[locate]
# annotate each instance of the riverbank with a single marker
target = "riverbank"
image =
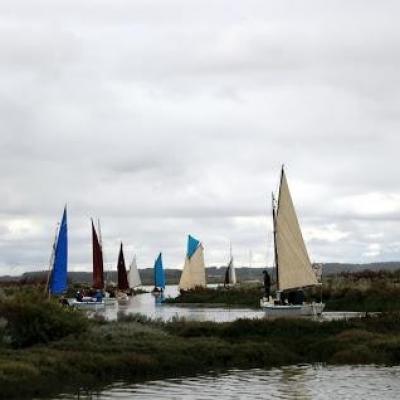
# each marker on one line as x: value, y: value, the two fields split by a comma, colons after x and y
x: 365, y: 291
x: 43, y: 343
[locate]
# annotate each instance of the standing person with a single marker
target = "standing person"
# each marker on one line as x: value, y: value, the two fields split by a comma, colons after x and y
x: 267, y: 284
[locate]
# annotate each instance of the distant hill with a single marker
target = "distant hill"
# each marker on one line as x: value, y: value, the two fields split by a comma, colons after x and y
x: 214, y: 274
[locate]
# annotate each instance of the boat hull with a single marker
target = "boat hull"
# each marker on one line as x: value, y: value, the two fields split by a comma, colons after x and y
x: 92, y: 305
x: 291, y: 310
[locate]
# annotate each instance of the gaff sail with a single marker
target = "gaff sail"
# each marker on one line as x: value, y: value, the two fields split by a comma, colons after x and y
x: 194, y: 272
x: 58, y: 280
x: 159, y: 274
x: 98, y: 267
x: 122, y: 276
x: 292, y: 260
x: 133, y: 275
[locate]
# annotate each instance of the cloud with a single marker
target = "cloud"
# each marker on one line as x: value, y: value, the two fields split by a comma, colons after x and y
x: 165, y: 119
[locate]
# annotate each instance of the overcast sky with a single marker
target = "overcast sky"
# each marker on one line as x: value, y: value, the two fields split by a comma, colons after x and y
x: 164, y: 118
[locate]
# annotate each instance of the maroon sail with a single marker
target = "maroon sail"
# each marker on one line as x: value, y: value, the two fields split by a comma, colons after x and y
x: 122, y: 276
x: 98, y: 273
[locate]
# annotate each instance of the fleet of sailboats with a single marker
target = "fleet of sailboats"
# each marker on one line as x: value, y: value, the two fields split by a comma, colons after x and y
x: 292, y: 263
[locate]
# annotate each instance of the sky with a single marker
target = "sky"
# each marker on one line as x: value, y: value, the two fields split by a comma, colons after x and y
x: 165, y: 117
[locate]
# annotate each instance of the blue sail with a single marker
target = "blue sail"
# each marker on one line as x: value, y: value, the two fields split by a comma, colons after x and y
x: 58, y: 280
x: 159, y: 274
x: 192, y: 246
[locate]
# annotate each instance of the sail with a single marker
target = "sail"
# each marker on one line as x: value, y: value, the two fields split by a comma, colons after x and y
x: 293, y: 263
x: 122, y: 276
x: 58, y: 280
x: 98, y: 273
x: 232, y: 272
x: 133, y: 275
x: 159, y: 274
x: 194, y: 272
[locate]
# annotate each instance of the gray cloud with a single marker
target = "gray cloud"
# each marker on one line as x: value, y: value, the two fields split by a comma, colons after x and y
x: 169, y: 118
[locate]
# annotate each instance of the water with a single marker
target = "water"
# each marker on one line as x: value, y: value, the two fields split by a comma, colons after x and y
x: 150, y: 306
x: 295, y: 382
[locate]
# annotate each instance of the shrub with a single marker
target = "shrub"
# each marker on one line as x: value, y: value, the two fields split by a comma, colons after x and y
x: 32, y: 319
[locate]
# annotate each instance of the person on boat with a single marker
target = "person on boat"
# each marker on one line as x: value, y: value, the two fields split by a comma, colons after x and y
x: 267, y: 284
x: 79, y: 296
x: 98, y: 296
x: 64, y: 301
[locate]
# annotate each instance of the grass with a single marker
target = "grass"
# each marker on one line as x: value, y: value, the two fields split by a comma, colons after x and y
x: 245, y: 295
x: 135, y: 348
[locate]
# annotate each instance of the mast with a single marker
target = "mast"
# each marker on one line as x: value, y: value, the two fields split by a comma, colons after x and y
x: 275, y: 246
x: 51, y: 261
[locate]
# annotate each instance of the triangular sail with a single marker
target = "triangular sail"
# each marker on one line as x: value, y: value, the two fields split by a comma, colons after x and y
x: 232, y: 272
x: 122, y: 276
x: 58, y: 281
x: 194, y: 272
x: 293, y: 263
x: 98, y: 268
x: 159, y: 274
x: 133, y: 275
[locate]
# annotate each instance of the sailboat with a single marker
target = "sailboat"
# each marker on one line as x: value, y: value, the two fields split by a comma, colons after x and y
x: 230, y: 273
x: 292, y: 263
x: 159, y: 275
x: 123, y: 284
x: 58, y: 279
x: 194, y: 271
x: 133, y: 275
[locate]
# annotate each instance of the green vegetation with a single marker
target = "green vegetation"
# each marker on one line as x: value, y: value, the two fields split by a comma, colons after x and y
x: 366, y: 291
x: 43, y: 342
x: 245, y: 295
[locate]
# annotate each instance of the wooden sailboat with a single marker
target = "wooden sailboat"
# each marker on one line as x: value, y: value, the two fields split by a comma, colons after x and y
x: 57, y: 282
x: 194, y: 272
x: 293, y: 266
x: 98, y: 266
x: 123, y: 284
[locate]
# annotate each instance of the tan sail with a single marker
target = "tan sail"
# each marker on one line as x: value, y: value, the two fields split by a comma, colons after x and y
x: 294, y: 266
x: 194, y: 272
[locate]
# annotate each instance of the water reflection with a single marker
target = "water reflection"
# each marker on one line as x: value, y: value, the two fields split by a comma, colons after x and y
x: 152, y: 307
x: 295, y: 382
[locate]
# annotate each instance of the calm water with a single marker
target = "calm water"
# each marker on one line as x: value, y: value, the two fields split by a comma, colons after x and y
x: 297, y: 382
x: 150, y: 306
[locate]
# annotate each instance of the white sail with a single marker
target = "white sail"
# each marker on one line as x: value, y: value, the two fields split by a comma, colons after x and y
x: 194, y: 272
x: 232, y: 272
x: 133, y: 275
x: 294, y: 266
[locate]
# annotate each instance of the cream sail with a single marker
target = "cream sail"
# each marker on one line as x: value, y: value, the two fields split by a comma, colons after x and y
x: 133, y: 275
x: 194, y: 272
x: 293, y: 264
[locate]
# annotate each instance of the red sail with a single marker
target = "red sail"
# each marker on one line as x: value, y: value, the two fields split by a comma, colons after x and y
x: 98, y: 273
x: 122, y: 276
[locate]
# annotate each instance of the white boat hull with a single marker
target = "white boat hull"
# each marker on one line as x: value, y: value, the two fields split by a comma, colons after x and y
x: 291, y: 310
x: 92, y: 305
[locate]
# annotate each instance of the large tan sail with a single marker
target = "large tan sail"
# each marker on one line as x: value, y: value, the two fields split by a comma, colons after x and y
x: 294, y: 266
x: 194, y: 272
